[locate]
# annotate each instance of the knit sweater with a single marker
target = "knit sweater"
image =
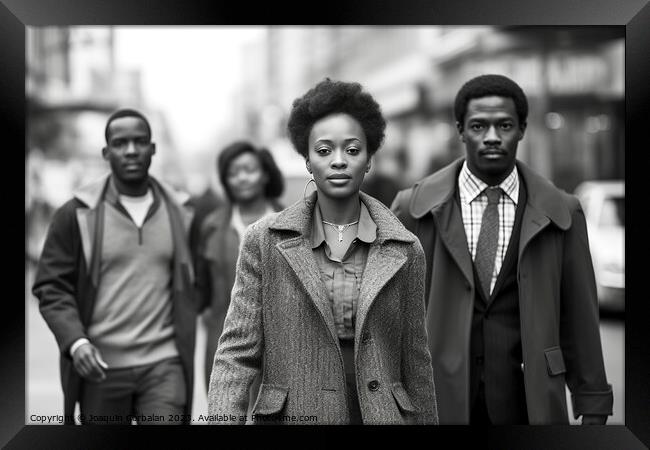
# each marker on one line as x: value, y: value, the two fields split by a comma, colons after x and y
x: 132, y: 320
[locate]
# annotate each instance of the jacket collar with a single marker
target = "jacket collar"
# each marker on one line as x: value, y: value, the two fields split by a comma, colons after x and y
x: 298, y: 216
x: 384, y: 260
x: 366, y: 230
x: 91, y: 193
x: 439, y: 188
x: 220, y: 217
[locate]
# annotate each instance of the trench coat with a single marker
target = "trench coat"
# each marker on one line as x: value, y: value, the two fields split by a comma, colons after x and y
x: 280, y: 323
x: 558, y: 307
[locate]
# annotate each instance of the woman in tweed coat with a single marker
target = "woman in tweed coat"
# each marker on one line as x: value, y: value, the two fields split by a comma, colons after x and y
x: 328, y: 300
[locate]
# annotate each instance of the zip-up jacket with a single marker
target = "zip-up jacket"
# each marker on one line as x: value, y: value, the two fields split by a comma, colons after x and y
x: 68, y: 276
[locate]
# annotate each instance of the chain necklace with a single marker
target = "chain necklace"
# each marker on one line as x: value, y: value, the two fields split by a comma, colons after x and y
x: 340, y: 228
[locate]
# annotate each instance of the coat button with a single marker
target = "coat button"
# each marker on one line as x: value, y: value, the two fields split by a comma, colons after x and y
x: 373, y: 385
x: 365, y: 337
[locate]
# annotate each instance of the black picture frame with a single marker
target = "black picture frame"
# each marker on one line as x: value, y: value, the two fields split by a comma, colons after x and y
x: 633, y: 15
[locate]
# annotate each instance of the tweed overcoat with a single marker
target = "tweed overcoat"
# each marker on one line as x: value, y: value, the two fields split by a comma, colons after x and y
x: 558, y: 307
x: 280, y: 322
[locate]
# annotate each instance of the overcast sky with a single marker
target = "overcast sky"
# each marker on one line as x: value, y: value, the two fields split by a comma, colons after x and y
x: 187, y: 72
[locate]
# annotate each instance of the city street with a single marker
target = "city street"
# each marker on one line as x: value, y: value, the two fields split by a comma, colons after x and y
x: 44, y: 389
x: 612, y: 336
x: 43, y: 382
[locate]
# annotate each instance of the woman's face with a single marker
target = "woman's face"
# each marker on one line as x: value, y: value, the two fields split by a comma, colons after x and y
x: 338, y: 155
x: 246, y: 179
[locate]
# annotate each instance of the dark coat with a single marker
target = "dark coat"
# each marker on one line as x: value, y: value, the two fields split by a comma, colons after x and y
x: 280, y: 322
x: 68, y: 275
x: 557, y: 298
x: 217, y: 254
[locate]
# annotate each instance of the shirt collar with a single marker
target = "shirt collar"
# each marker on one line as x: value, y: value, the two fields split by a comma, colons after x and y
x: 366, y: 231
x: 470, y: 186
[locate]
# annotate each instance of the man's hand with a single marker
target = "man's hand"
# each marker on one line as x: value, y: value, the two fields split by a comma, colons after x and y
x: 88, y: 363
x: 593, y: 419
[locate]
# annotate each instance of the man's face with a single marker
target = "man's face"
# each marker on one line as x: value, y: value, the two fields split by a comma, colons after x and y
x: 491, y: 132
x: 129, y: 150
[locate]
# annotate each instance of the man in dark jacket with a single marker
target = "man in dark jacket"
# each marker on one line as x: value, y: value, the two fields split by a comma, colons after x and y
x: 114, y: 284
x: 512, y: 312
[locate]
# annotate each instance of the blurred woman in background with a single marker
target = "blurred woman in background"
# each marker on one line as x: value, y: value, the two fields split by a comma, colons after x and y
x: 328, y: 301
x: 252, y: 183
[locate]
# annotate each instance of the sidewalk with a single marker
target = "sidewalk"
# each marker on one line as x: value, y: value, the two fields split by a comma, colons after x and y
x: 44, y: 395
x: 43, y: 382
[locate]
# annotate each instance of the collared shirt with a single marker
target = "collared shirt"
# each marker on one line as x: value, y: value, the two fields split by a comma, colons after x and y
x: 342, y: 278
x: 473, y: 202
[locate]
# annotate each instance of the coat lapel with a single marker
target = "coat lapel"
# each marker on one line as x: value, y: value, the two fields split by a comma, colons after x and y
x: 384, y: 257
x: 383, y: 262
x: 297, y: 252
x: 435, y: 195
x: 449, y: 224
x: 91, y: 224
x: 181, y: 201
x: 86, y: 221
x: 532, y: 223
x: 545, y: 205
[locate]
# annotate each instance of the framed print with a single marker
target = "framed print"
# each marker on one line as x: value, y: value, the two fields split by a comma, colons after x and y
x: 603, y: 94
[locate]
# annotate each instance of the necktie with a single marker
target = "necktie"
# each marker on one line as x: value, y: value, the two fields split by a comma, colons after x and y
x: 486, y: 247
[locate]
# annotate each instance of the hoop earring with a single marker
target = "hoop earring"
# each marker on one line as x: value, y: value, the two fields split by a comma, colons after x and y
x: 304, y: 191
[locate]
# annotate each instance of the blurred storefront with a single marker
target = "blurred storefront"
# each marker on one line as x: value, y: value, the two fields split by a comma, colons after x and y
x: 573, y: 77
x: 574, y: 80
x: 72, y: 85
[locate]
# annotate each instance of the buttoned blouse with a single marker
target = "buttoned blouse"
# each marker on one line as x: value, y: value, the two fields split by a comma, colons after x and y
x: 342, y: 278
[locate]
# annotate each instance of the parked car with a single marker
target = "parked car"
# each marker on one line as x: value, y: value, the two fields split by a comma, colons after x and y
x: 604, y: 205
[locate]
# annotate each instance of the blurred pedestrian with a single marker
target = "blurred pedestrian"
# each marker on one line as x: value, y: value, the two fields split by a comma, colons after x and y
x: 115, y: 286
x: 252, y: 182
x: 328, y: 301
x: 202, y: 205
x: 381, y: 183
x: 512, y: 307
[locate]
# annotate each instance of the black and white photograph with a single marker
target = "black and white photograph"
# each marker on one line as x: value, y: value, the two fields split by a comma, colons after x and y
x: 313, y: 225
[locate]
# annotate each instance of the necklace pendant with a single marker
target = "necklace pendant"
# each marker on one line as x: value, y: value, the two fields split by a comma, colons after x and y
x: 341, y: 228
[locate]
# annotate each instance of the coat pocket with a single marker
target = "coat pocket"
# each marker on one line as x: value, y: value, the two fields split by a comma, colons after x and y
x: 270, y: 400
x: 554, y: 361
x: 402, y: 398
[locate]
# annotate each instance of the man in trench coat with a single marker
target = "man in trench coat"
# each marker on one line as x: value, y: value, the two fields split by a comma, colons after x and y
x: 506, y: 339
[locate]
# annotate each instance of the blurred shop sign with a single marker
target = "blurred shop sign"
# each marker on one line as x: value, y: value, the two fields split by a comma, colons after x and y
x: 577, y: 74
x: 526, y: 70
x: 558, y: 73
x: 395, y: 85
x: 401, y: 98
